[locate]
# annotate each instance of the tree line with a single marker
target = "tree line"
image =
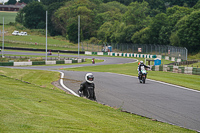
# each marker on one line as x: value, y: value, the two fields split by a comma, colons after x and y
x: 13, y: 2
x: 163, y: 22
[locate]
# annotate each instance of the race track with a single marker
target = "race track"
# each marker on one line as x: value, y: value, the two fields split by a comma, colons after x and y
x: 164, y: 102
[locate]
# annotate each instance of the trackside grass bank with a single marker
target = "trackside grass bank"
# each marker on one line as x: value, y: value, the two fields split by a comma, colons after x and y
x: 37, y: 107
x: 8, y: 17
x: 189, y: 81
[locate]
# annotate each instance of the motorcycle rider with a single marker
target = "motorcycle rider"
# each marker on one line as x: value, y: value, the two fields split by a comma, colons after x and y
x: 139, y: 69
x: 87, y: 87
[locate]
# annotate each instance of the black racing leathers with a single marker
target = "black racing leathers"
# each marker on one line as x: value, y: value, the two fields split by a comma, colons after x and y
x: 139, y: 67
x: 87, y: 90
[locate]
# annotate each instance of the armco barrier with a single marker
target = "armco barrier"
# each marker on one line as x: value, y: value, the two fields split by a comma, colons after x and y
x: 94, y: 53
x: 22, y: 63
x: 135, y: 55
x: 74, y: 61
x: 79, y: 60
x: 196, y: 71
x: 170, y: 68
x: 60, y: 62
x: 88, y: 53
x: 50, y: 62
x: 99, y: 53
x: 68, y: 61
x: 188, y: 70
x: 6, y: 63
x: 40, y: 62
x: 181, y: 69
x: 105, y: 53
x: 177, y: 69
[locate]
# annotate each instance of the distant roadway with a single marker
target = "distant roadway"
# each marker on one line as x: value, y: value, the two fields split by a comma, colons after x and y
x: 163, y: 102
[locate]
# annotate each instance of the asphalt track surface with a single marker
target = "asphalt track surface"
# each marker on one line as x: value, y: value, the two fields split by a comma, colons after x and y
x: 163, y: 102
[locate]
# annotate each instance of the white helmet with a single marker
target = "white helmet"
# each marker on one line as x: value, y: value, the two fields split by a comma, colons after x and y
x: 141, y: 62
x: 89, y: 77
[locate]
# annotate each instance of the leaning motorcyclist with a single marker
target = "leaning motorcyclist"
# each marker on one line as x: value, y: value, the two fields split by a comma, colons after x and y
x: 139, y: 68
x: 87, y: 87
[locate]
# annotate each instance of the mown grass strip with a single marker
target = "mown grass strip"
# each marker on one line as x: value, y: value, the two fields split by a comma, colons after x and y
x: 35, y: 108
x: 8, y: 17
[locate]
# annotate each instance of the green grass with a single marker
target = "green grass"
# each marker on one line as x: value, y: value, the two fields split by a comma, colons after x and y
x: 193, y: 65
x: 194, y: 57
x: 39, y: 46
x: 189, y: 81
x: 39, y: 39
x: 37, y: 107
x: 8, y: 17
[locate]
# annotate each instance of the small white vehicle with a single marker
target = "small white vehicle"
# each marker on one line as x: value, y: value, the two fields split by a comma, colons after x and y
x: 15, y: 33
x: 23, y: 33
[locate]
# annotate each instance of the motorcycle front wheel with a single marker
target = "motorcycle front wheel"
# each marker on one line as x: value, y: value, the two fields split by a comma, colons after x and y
x: 143, y: 80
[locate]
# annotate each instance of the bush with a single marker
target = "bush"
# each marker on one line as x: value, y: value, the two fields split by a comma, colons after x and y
x: 93, y: 40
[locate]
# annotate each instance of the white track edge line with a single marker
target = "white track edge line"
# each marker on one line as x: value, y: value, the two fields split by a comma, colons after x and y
x: 62, y: 84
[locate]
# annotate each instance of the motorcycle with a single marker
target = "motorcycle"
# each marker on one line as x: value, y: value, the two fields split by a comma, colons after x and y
x: 93, y: 61
x: 143, y: 75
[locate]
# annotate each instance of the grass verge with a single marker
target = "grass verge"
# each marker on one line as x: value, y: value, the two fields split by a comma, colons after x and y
x: 37, y: 107
x: 8, y: 17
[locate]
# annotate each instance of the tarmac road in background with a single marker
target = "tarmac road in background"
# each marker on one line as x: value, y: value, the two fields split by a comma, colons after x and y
x: 107, y: 60
x: 163, y: 102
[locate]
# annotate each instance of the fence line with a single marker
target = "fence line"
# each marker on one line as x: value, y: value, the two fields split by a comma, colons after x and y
x: 165, y: 50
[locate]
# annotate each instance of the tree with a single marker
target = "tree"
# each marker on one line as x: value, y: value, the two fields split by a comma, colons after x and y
x: 20, y: 17
x: 72, y: 32
x: 129, y: 30
x: 35, y: 15
x: 189, y: 3
x: 137, y: 14
x: 156, y: 6
x: 197, y: 5
x: 188, y: 31
x: 174, y: 39
x: 117, y: 32
x: 164, y: 35
x: 105, y: 32
x: 27, y: 1
x: 141, y: 37
x: 111, y: 11
x: 52, y: 27
x: 49, y: 2
x: 12, y: 2
x: 65, y: 16
x: 112, y: 6
x: 157, y: 23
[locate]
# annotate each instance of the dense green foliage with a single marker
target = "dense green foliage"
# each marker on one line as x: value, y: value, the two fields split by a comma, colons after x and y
x: 11, y: 2
x: 164, y: 22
